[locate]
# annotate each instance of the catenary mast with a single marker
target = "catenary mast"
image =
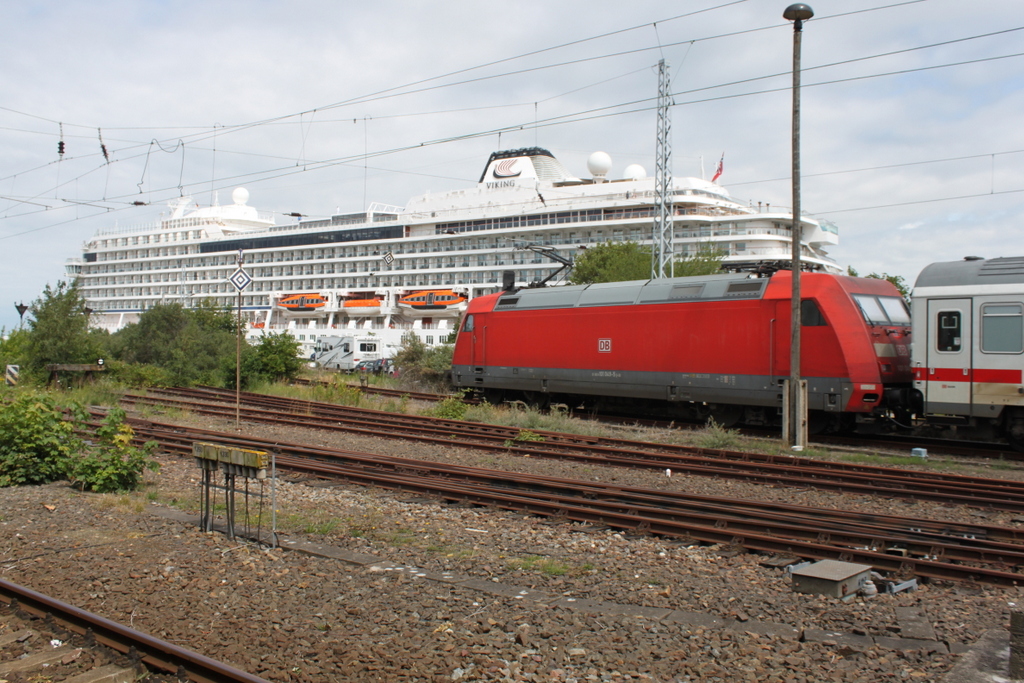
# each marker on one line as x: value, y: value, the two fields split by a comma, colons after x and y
x: 661, y: 244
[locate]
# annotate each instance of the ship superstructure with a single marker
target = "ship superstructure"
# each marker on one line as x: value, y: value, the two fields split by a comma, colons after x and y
x: 362, y: 274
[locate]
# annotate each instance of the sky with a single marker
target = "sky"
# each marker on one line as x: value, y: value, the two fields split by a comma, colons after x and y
x: 912, y: 140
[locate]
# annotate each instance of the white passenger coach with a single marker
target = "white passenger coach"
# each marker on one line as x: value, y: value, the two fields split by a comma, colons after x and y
x: 968, y: 345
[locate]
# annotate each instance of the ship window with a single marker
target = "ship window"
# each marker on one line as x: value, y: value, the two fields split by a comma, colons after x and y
x: 1002, y: 328
x: 948, y: 326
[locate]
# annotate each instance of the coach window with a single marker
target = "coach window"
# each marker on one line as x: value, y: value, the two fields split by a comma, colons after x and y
x: 1002, y: 328
x: 948, y: 326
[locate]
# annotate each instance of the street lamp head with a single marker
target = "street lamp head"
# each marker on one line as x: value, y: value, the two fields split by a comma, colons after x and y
x: 798, y: 12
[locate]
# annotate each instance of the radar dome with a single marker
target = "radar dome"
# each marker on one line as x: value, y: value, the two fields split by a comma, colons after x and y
x: 240, y: 195
x: 599, y: 164
x: 634, y: 172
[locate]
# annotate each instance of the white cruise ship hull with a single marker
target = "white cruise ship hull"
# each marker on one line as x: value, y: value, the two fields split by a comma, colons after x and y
x: 462, y: 241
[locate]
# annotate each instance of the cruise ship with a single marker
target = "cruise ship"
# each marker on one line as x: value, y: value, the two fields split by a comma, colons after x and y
x: 373, y: 277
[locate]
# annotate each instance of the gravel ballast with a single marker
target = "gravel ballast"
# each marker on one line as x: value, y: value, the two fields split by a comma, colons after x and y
x: 290, y: 616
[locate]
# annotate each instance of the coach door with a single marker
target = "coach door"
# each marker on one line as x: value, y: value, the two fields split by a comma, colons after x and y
x: 948, y: 373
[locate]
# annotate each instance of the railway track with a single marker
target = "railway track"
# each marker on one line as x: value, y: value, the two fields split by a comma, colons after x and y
x: 43, y: 655
x: 970, y: 449
x: 985, y: 493
x: 900, y: 546
x: 381, y: 391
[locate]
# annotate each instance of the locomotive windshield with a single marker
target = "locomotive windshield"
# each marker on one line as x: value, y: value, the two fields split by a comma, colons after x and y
x: 883, y: 310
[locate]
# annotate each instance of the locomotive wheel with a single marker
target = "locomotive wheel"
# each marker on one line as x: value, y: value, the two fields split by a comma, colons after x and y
x: 725, y: 414
x: 817, y: 422
x: 538, y: 400
x: 494, y: 396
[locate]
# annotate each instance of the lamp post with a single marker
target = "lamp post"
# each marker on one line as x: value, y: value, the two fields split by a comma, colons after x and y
x: 795, y: 429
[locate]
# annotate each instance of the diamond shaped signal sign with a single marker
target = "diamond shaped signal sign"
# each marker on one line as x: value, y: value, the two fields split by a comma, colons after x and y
x: 389, y: 258
x: 240, y: 279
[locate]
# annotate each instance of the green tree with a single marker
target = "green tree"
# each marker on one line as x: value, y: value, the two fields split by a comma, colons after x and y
x: 707, y: 260
x: 13, y: 347
x: 274, y: 358
x: 611, y: 262
x: 419, y: 364
x: 897, y: 280
x: 59, y: 329
x: 192, y: 346
x: 623, y: 261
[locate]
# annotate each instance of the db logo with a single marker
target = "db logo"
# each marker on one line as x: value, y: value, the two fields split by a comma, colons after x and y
x: 604, y: 345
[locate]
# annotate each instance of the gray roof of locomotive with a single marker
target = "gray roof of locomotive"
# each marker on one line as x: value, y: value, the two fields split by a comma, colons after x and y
x: 668, y: 290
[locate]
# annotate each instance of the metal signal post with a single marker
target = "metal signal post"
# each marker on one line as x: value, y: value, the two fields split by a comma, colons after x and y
x: 240, y: 280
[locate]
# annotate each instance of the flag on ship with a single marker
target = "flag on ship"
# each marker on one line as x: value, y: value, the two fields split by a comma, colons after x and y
x: 718, y: 172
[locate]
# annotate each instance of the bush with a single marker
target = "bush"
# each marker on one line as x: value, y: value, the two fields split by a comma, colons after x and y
x: 139, y: 374
x: 274, y: 358
x: 452, y: 408
x: 113, y: 464
x: 423, y: 366
x: 38, y: 442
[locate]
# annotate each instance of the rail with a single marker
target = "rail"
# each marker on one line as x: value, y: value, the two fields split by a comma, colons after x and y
x: 153, y: 652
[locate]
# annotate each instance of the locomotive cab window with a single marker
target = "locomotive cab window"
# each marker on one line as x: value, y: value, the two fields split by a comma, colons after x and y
x: 810, y: 314
x: 896, y: 308
x: 948, y: 331
x: 467, y: 324
x: 1002, y: 328
x: 883, y: 310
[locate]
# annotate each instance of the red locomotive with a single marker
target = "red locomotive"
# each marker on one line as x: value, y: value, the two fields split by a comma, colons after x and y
x: 712, y: 346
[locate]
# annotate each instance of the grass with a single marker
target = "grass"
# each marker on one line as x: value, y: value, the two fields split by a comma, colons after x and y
x: 400, y: 537
x: 101, y: 393
x: 716, y: 437
x: 116, y: 501
x: 539, y: 564
x: 529, y: 420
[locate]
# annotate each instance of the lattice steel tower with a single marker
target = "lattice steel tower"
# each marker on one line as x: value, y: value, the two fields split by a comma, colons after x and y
x: 661, y: 245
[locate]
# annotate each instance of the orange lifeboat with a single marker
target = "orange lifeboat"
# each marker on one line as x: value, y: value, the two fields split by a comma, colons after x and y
x: 302, y: 302
x: 432, y: 300
x: 361, y: 306
x: 258, y: 326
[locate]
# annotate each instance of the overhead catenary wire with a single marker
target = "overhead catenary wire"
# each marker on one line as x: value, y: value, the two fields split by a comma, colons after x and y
x: 271, y: 173
x: 587, y: 115
x: 390, y: 92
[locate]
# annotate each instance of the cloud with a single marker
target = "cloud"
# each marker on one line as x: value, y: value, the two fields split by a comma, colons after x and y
x: 150, y: 71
